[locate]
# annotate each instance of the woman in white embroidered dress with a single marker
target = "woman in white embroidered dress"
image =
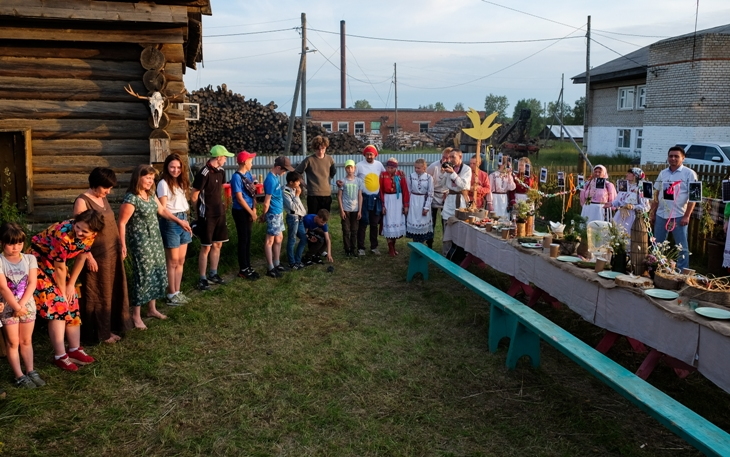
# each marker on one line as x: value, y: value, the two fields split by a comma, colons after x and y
x: 501, y: 181
x: 631, y: 201
x: 596, y: 192
x: 419, y: 225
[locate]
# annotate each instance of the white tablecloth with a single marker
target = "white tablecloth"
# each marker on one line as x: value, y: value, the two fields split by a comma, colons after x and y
x: 663, y: 325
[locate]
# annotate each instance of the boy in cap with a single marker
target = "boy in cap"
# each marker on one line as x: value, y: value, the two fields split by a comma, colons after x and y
x: 211, y: 226
x: 244, y: 212
x: 274, y: 215
x: 349, y: 196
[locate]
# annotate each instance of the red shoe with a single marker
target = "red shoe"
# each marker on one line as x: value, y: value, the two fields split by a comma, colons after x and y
x: 79, y: 357
x: 65, y: 363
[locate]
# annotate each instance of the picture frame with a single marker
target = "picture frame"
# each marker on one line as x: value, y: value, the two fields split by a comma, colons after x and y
x: 543, y: 175
x: 600, y: 183
x: 527, y: 170
x: 648, y: 189
x: 500, y: 158
x: 667, y: 191
x: 695, y: 192
x: 581, y: 181
x: 561, y: 179
x: 622, y: 185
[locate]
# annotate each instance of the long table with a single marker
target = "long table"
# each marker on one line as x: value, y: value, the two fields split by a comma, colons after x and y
x: 664, y: 325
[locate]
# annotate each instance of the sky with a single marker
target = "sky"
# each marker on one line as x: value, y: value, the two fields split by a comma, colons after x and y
x: 258, y: 56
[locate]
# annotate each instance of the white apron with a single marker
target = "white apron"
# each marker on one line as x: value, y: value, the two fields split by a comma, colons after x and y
x: 394, y: 222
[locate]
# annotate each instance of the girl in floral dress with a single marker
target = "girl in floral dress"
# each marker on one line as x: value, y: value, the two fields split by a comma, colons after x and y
x: 139, y: 213
x: 55, y: 294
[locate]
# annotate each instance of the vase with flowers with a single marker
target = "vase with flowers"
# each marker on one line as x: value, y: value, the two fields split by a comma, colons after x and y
x: 618, y: 244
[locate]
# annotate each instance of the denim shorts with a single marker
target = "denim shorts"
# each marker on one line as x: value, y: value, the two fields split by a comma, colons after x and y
x: 173, y: 236
x: 274, y: 224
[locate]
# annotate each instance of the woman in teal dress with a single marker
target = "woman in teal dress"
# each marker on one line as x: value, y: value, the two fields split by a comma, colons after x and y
x: 149, y: 272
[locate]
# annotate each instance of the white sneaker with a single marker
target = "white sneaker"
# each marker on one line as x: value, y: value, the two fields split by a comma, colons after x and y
x: 361, y: 252
x: 175, y: 300
x: 375, y: 251
x: 183, y: 298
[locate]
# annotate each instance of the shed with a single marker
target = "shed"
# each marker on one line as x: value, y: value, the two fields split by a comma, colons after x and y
x: 63, y: 108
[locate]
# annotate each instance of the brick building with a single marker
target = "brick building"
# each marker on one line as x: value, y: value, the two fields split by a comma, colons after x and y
x: 378, y: 121
x: 675, y: 90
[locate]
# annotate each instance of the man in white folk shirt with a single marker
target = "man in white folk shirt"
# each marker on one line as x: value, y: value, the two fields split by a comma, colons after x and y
x: 455, y: 177
x: 439, y: 192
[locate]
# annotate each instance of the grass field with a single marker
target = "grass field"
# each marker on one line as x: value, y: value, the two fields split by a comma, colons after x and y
x: 352, y: 363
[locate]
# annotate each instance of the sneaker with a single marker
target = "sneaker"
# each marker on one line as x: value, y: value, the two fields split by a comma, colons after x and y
x: 184, y: 299
x: 203, y: 284
x: 273, y: 273
x: 281, y: 268
x: 175, y: 300
x: 293, y: 266
x: 324, y: 254
x: 216, y: 279
x: 318, y: 260
x: 301, y: 265
x: 307, y: 261
x: 375, y: 251
x: 36, y: 378
x: 79, y: 357
x: 65, y: 363
x: 24, y: 382
x: 249, y: 273
x: 361, y: 252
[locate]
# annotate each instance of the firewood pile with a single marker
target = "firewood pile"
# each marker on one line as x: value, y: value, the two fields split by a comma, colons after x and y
x: 376, y: 139
x: 404, y: 141
x: 229, y: 119
x: 445, y: 130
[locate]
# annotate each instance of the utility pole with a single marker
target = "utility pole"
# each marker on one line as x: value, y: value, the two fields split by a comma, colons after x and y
x: 562, y: 102
x: 304, y: 84
x: 343, y: 71
x: 395, y: 82
x: 290, y: 130
x: 586, y: 110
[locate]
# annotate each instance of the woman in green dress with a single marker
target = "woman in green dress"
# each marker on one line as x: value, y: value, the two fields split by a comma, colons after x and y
x: 139, y: 212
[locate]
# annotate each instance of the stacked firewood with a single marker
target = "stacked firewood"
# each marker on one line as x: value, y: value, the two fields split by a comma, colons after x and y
x: 229, y: 119
x: 404, y: 141
x: 445, y: 130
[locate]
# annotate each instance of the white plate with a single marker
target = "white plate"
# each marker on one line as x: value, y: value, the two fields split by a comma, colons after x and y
x: 713, y: 313
x: 531, y: 245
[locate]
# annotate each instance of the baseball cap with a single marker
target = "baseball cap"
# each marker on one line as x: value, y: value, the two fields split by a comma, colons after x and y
x: 283, y: 162
x: 218, y: 150
x: 350, y: 163
x: 244, y: 156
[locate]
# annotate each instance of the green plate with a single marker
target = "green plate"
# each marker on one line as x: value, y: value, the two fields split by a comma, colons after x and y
x: 609, y: 274
x: 662, y: 294
x: 713, y: 313
x: 531, y: 245
x: 568, y: 258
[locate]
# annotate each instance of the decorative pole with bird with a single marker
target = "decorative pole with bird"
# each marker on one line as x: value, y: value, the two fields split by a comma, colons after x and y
x: 480, y: 131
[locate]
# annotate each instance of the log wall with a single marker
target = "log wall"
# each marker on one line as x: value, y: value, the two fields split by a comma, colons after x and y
x: 71, y: 96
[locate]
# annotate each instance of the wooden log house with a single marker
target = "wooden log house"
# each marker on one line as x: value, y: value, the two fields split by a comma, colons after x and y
x: 63, y: 107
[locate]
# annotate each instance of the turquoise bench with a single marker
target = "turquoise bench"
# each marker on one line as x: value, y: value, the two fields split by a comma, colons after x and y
x: 525, y: 328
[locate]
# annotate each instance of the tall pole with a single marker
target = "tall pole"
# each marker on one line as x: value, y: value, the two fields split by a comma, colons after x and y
x: 395, y: 82
x: 290, y: 129
x: 304, y: 84
x: 562, y: 103
x: 586, y: 109
x: 343, y: 68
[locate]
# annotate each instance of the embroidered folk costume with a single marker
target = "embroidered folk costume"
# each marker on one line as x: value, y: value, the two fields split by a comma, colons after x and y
x: 593, y: 199
x: 501, y: 182
x: 419, y: 225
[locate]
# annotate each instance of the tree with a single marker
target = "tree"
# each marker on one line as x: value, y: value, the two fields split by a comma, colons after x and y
x: 579, y: 111
x: 459, y: 107
x: 496, y: 103
x: 362, y: 104
x: 554, y: 108
x: 439, y: 106
x: 536, y: 120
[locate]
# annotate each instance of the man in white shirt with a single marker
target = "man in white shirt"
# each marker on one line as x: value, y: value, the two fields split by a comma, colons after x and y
x: 369, y: 171
x: 455, y: 177
x: 670, y: 210
x: 439, y: 192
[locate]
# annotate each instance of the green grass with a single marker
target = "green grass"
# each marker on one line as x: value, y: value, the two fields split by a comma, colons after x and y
x: 353, y: 363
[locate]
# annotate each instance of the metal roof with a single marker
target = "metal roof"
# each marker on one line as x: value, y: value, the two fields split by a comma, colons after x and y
x: 634, y: 64
x: 576, y: 131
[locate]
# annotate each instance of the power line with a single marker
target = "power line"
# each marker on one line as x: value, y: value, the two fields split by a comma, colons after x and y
x: 348, y: 75
x: 622, y: 55
x: 256, y: 23
x: 568, y: 25
x: 254, y: 55
x: 495, y: 72
x: 363, y: 72
x: 403, y: 40
x: 251, y: 33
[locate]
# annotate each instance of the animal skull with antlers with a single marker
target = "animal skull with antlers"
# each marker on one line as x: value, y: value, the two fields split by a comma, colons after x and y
x: 156, y: 100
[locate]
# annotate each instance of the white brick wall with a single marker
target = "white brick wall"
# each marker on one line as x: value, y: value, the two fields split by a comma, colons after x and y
x: 658, y: 140
x: 603, y: 140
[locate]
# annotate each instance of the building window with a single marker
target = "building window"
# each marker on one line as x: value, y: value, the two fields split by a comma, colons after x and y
x: 639, y: 139
x: 375, y: 127
x: 327, y: 126
x: 359, y: 127
x: 343, y: 126
x: 624, y: 139
x: 641, y: 97
x: 625, y: 98
x: 423, y: 127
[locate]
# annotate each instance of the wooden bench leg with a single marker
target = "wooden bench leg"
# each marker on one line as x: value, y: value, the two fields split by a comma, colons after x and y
x: 469, y: 260
x: 515, y: 287
x: 523, y: 342
x: 607, y: 342
x: 501, y: 325
x: 417, y: 264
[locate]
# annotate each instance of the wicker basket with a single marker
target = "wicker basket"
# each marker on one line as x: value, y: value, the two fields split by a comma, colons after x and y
x: 716, y: 297
x: 464, y: 215
x: 668, y: 282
